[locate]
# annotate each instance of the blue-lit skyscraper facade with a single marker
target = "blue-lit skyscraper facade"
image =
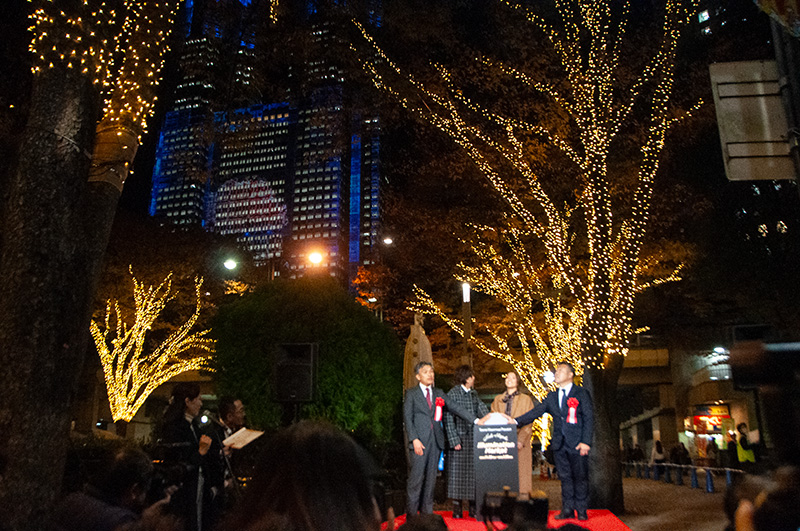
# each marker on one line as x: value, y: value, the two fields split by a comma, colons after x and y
x: 282, y: 178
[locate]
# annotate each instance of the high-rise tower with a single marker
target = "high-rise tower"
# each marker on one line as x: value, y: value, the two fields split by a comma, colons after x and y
x: 285, y: 179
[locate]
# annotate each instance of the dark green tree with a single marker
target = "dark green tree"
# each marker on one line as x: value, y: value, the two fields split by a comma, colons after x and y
x: 359, y: 370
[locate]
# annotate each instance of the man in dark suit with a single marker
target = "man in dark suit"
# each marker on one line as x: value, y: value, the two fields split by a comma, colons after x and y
x: 573, y: 424
x: 426, y: 436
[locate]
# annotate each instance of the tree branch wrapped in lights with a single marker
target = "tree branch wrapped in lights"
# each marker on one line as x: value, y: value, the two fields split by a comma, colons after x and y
x: 131, y: 374
x: 95, y: 67
x: 564, y: 267
x: 123, y: 51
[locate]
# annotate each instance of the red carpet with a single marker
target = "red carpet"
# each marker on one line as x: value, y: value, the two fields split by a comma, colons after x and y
x: 599, y: 520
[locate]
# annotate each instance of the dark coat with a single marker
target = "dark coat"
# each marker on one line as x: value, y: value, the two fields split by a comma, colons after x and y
x: 182, y: 440
x: 567, y: 434
x: 460, y: 466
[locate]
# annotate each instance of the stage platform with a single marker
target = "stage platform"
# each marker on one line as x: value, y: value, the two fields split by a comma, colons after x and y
x: 599, y: 520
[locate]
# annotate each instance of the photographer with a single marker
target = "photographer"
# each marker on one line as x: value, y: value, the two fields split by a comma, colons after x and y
x: 114, y: 499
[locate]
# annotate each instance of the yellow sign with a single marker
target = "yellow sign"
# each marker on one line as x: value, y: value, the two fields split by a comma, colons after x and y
x: 708, y: 410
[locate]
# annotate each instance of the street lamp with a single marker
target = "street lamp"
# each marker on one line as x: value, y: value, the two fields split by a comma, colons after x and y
x: 466, y: 310
x: 388, y: 241
x: 315, y: 258
x: 230, y: 264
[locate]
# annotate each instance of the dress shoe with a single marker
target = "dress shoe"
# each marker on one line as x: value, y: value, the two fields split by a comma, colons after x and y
x: 564, y: 515
x: 582, y: 515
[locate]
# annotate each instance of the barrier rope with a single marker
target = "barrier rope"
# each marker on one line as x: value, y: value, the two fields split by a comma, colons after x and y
x: 644, y: 470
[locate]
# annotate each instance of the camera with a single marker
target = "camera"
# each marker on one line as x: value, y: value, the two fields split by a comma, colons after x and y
x: 165, y: 475
x: 518, y: 512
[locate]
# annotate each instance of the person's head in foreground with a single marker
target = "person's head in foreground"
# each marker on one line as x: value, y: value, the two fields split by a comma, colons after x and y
x: 312, y: 477
x: 761, y: 503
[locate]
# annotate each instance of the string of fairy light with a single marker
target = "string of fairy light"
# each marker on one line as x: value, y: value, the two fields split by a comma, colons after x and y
x: 562, y: 307
x: 121, y: 51
x: 273, y: 10
x: 131, y: 372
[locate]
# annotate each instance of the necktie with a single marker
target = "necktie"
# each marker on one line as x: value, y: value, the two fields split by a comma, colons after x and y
x: 428, y: 397
x: 561, y: 398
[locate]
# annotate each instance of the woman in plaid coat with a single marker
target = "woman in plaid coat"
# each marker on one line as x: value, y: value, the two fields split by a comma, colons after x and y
x: 460, y: 466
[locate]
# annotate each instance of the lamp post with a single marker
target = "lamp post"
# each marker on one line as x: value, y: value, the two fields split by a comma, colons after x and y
x: 378, y: 308
x: 466, y: 310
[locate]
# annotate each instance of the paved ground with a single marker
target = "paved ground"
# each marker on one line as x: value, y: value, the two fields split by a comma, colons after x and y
x: 657, y: 506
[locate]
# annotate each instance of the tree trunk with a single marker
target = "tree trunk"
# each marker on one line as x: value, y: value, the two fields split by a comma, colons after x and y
x: 55, y: 229
x: 121, y: 428
x: 605, y: 472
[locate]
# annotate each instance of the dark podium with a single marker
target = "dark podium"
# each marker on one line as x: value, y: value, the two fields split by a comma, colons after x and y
x: 495, y: 461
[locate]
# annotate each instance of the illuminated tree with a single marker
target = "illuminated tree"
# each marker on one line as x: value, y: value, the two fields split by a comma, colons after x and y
x: 95, y: 66
x: 122, y: 52
x: 571, y: 252
x: 132, y: 368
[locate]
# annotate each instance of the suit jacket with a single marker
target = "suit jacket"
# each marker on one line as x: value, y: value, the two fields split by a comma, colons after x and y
x: 564, y: 433
x: 419, y: 418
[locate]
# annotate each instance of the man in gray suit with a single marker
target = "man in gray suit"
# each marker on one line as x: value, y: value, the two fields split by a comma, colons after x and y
x: 426, y: 436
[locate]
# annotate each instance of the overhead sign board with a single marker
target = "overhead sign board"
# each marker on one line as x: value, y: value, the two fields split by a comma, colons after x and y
x: 719, y: 410
x: 752, y: 122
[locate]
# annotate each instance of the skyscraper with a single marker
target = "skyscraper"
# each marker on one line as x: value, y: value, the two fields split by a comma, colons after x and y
x: 287, y: 179
x: 252, y: 166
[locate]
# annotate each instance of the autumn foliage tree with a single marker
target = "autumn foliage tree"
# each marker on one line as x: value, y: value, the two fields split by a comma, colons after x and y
x: 572, y: 146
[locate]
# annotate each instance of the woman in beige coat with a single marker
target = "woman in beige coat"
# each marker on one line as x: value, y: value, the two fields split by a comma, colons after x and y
x: 514, y: 403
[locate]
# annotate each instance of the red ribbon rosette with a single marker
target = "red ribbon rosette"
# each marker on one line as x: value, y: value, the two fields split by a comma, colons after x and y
x: 572, y: 404
x: 437, y: 416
